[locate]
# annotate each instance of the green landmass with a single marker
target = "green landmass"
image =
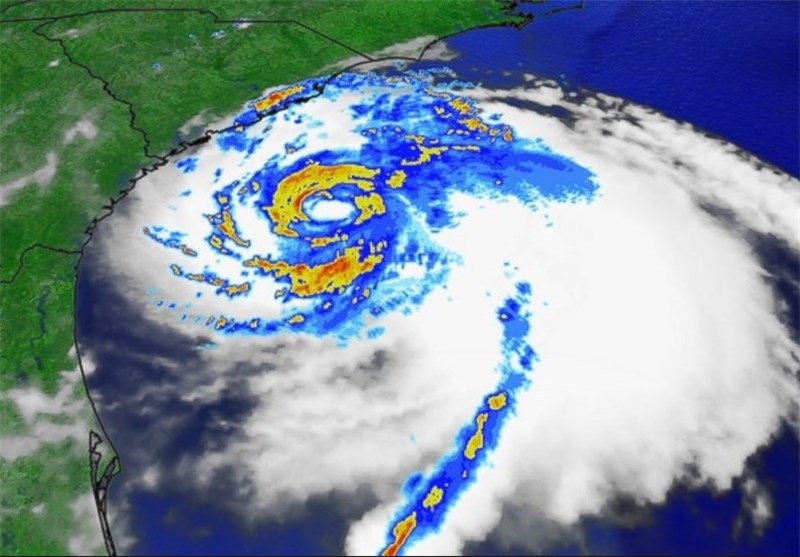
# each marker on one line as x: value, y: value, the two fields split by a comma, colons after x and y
x: 81, y: 99
x: 38, y: 494
x: 11, y: 422
x: 36, y: 326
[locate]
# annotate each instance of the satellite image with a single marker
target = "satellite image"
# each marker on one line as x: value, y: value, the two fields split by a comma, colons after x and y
x: 399, y: 277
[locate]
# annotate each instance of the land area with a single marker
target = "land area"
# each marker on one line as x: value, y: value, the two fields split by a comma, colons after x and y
x: 93, y: 94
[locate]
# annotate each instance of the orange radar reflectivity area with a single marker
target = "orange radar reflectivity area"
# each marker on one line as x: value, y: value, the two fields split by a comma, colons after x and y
x: 328, y: 277
x: 401, y: 532
x: 287, y: 201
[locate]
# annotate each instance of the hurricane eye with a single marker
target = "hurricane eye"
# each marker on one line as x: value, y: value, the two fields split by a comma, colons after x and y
x: 323, y: 209
x: 325, y: 240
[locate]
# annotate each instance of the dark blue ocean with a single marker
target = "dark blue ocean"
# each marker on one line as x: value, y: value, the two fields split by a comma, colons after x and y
x: 731, y: 68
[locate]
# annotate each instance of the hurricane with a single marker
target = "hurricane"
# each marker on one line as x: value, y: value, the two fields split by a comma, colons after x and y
x: 456, y: 299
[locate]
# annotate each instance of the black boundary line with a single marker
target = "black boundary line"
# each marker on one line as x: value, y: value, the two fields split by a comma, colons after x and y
x: 577, y: 6
x: 9, y: 6
x: 106, y: 85
x: 201, y: 11
x: 100, y: 486
x: 29, y: 249
x: 510, y: 7
x: 38, y: 30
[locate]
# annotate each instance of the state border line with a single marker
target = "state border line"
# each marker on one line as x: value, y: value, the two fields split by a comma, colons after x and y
x: 201, y: 11
x: 114, y: 467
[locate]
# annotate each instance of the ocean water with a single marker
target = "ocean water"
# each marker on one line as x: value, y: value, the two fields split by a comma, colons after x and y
x: 730, y: 68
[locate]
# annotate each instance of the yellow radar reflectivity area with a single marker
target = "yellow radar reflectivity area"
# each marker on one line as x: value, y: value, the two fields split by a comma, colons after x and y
x: 328, y: 277
x: 287, y: 201
x: 401, y: 532
x: 475, y: 442
x: 498, y: 401
x: 433, y: 498
x: 276, y: 97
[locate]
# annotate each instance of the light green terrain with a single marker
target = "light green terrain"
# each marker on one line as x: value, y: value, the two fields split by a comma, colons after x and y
x: 82, y: 113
